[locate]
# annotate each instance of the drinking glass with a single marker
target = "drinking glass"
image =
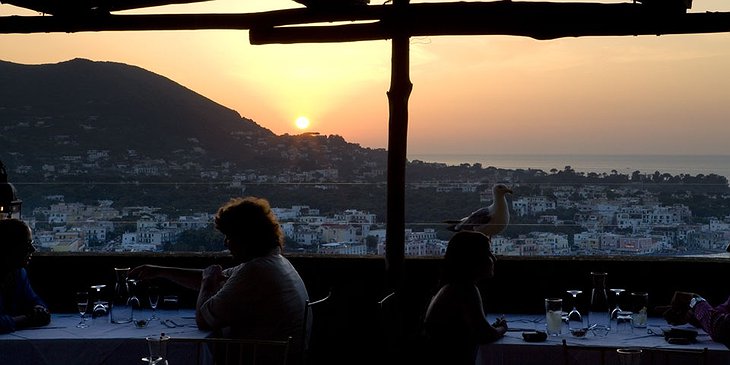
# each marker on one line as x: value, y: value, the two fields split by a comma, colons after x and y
x: 575, y: 319
x: 133, y: 300
x: 553, y: 312
x: 158, y: 350
x: 623, y: 323
x: 640, y: 305
x: 100, y: 308
x: 629, y: 356
x: 82, y: 302
x: 153, y: 294
x: 617, y: 307
x: 170, y: 306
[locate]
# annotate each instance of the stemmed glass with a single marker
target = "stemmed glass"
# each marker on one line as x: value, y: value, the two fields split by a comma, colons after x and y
x: 82, y: 301
x: 574, y: 317
x: 133, y: 301
x: 154, y: 295
x: 617, y: 308
x: 99, y: 308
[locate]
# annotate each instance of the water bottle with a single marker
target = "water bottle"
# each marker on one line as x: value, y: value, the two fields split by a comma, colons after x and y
x: 599, y: 313
x: 121, y: 309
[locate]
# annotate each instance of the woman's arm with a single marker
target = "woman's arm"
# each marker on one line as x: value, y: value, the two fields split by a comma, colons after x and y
x: 715, y: 322
x: 187, y: 278
x: 481, y: 329
x: 30, y: 311
x: 7, y: 323
x: 212, y: 280
x: 38, y: 316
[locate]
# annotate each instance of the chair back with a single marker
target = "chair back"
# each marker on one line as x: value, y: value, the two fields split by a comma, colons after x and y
x: 577, y: 355
x: 390, y: 325
x: 230, y: 351
x: 309, y: 324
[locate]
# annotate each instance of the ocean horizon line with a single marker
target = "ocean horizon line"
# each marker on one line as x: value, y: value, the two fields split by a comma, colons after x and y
x: 674, y: 164
x: 568, y: 154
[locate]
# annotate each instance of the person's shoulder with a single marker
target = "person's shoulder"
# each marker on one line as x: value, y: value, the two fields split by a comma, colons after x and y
x: 461, y: 286
x: 21, y: 274
x: 259, y: 263
x: 265, y: 259
x: 272, y: 257
x: 233, y: 270
x: 454, y: 290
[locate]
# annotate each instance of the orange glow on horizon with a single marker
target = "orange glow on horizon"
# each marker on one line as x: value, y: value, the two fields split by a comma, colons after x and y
x: 476, y: 94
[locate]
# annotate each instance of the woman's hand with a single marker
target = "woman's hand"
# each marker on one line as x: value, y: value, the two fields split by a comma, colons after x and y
x: 679, y: 312
x: 677, y: 316
x: 40, y: 316
x: 35, y: 317
x: 500, y: 325
x: 501, y: 321
x: 213, y: 277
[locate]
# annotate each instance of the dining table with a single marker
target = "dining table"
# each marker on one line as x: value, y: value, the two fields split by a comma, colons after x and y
x: 592, y: 349
x: 61, y: 342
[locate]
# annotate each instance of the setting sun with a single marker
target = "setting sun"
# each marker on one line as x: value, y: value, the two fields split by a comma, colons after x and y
x: 302, y: 122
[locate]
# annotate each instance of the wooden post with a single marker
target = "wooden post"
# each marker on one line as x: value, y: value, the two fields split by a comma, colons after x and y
x: 400, y: 91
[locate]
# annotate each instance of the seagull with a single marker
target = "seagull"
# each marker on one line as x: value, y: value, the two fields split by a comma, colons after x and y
x: 489, y: 220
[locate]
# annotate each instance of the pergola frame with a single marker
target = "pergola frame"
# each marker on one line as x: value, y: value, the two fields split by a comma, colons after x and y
x: 399, y: 21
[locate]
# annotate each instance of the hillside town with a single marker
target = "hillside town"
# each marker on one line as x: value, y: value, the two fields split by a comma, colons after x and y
x: 608, y: 221
x: 147, y: 197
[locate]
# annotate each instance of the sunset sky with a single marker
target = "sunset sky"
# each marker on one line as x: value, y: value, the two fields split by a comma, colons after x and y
x: 475, y: 94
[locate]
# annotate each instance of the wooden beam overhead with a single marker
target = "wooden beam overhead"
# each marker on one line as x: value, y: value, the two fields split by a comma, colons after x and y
x: 539, y: 20
x: 162, y: 22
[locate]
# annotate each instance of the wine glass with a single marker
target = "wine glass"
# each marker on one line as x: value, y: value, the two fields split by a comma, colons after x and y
x: 133, y: 302
x: 617, y: 308
x: 574, y: 316
x: 82, y: 302
x: 153, y: 293
x: 99, y: 309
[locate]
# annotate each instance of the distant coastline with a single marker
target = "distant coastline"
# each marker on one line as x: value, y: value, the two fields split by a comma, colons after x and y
x: 623, y: 164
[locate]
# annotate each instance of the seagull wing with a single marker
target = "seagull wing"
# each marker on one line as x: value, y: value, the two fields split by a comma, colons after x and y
x: 475, y: 219
x: 481, y: 216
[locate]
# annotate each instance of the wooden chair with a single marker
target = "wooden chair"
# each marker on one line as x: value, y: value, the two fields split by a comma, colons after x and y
x: 400, y: 327
x: 390, y: 328
x: 309, y: 308
x: 228, y: 351
x: 388, y: 318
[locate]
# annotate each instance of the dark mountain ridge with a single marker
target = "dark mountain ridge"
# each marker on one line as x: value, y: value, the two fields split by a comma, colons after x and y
x: 70, y: 108
x: 133, y: 108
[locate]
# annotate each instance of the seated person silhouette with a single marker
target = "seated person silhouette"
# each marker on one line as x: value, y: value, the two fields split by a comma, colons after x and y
x: 455, y: 322
x: 261, y: 298
x: 692, y: 308
x: 20, y: 306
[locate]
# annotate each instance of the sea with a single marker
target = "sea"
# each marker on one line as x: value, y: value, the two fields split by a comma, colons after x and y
x: 623, y: 164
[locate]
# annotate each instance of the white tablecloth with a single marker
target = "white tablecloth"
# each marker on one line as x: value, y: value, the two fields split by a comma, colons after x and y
x: 512, y: 349
x: 62, y: 343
